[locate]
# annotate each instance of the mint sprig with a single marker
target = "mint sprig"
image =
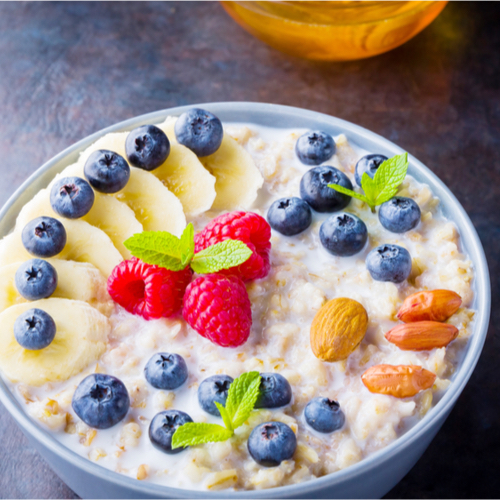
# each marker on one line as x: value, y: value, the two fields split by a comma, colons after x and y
x: 241, y: 399
x: 384, y: 185
x: 163, y: 249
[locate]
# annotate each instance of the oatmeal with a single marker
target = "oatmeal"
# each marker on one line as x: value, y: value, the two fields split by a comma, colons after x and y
x: 303, y: 277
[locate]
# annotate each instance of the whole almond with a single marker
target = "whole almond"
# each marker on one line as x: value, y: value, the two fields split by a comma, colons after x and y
x: 422, y: 336
x: 337, y: 329
x: 400, y: 381
x: 434, y: 305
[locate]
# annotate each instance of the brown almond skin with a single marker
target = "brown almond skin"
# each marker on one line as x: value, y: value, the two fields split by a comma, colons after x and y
x: 337, y: 329
x: 434, y: 305
x: 400, y: 381
x: 422, y: 336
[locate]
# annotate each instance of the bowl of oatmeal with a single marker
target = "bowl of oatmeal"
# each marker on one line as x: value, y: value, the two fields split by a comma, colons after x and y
x: 380, y: 437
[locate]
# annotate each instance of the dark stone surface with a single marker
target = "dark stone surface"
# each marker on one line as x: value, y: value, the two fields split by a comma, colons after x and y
x: 69, y: 69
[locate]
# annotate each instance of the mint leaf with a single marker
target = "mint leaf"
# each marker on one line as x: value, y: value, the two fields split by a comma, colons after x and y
x: 348, y: 192
x: 389, y: 176
x: 193, y: 433
x: 242, y: 396
x: 225, y: 416
x: 187, y: 244
x: 224, y: 255
x: 156, y: 247
x: 370, y: 189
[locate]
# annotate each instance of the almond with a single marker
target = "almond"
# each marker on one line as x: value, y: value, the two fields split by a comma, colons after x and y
x: 434, y: 305
x: 422, y: 336
x: 400, y: 381
x: 337, y: 329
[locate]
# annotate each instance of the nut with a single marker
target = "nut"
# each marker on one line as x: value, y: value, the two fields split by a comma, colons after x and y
x: 400, y: 381
x: 435, y: 305
x: 337, y: 329
x: 422, y: 336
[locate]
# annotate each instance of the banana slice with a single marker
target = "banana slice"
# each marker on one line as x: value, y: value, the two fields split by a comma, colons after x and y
x: 81, y: 338
x: 75, y: 280
x: 113, y: 217
x: 185, y: 176
x: 84, y: 243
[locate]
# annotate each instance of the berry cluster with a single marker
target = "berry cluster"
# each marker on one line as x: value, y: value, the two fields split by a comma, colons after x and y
x: 216, y: 305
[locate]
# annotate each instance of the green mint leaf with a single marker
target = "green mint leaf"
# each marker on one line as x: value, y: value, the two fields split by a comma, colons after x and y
x: 156, y: 247
x: 389, y: 176
x: 370, y: 188
x: 228, y: 253
x: 225, y: 416
x: 187, y: 244
x: 193, y: 433
x: 242, y: 396
x: 348, y: 192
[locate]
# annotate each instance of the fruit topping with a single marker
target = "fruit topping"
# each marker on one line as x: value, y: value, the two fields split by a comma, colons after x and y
x: 71, y: 197
x: 337, y: 329
x: 289, y: 216
x: 200, y: 131
x: 272, y: 442
x: 368, y: 164
x: 36, y: 279
x: 315, y: 147
x: 314, y: 189
x: 44, y: 237
x: 106, y: 171
x: 218, y: 308
x: 247, y: 227
x: 275, y: 391
x: 433, y: 305
x: 101, y: 401
x: 343, y: 234
x: 34, y: 329
x: 324, y: 415
x: 150, y: 291
x: 214, y: 389
x: 166, y: 371
x: 147, y: 147
x: 163, y: 427
x: 399, y: 214
x: 400, y: 381
x: 389, y: 263
x: 422, y: 335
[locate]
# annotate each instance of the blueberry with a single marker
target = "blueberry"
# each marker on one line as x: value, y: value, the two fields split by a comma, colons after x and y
x: 399, y: 214
x: 200, y: 131
x: 163, y: 427
x: 289, y: 216
x: 106, y: 171
x: 314, y: 189
x: 324, y: 415
x: 315, y: 147
x: 389, y: 263
x: 275, y: 391
x: 147, y: 147
x: 36, y: 279
x: 166, y: 371
x: 272, y: 442
x: 368, y: 164
x: 343, y: 234
x: 101, y: 401
x: 44, y: 237
x: 34, y: 329
x: 71, y: 197
x: 213, y: 389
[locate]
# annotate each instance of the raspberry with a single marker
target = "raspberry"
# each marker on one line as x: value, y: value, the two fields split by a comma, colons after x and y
x: 149, y: 291
x: 218, y: 308
x: 248, y: 227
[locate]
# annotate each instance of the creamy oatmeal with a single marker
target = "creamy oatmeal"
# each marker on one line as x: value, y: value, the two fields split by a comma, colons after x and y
x: 303, y: 277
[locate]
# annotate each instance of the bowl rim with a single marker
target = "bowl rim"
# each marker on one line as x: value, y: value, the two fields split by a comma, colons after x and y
x: 270, y: 113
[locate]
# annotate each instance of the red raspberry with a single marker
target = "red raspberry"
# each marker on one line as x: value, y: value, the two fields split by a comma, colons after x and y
x: 248, y: 227
x: 218, y: 308
x: 149, y: 291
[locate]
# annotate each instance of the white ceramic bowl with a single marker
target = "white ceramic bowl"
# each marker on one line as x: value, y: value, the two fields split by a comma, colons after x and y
x: 373, y: 476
